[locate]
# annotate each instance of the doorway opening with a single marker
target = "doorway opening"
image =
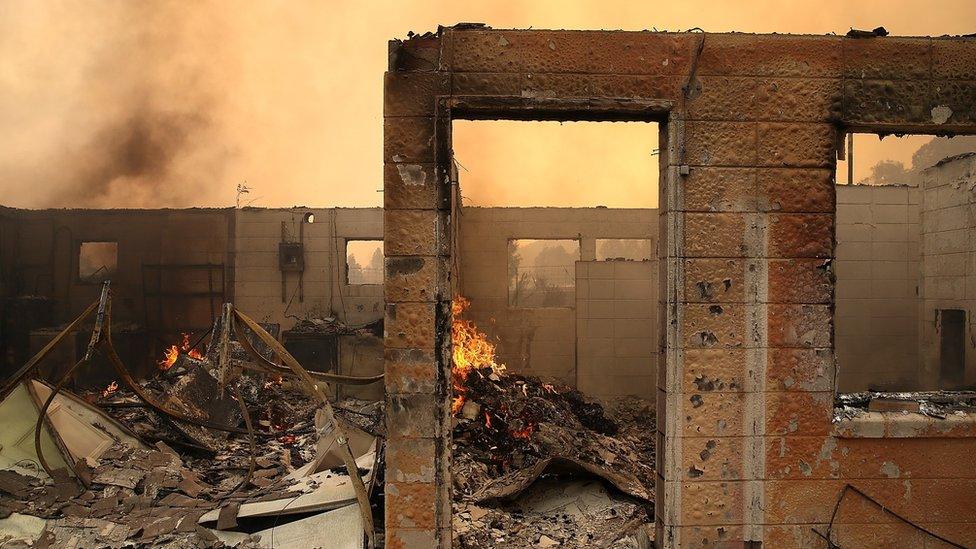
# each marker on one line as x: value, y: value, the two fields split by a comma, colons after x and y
x: 555, y: 326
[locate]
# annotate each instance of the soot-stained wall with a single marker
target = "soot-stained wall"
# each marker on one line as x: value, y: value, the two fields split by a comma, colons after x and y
x: 751, y: 126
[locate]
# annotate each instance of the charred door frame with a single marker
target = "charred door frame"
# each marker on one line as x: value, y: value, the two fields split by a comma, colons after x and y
x: 562, y: 109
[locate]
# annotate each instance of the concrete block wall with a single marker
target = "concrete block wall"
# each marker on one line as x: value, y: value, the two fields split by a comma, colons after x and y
x: 876, y: 302
x: 325, y: 293
x: 616, y: 323
x: 40, y: 251
x: 948, y: 263
x: 747, y: 449
x: 533, y: 341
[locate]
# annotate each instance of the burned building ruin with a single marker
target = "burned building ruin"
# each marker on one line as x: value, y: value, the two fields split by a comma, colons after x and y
x: 806, y: 348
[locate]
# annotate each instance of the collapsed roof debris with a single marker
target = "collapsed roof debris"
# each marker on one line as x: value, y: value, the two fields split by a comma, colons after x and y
x: 229, y: 447
x: 102, y: 471
x: 539, y: 464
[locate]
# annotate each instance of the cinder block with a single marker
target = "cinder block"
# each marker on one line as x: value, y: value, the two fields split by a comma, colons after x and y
x: 412, y: 186
x: 720, y: 143
x: 411, y: 460
x: 856, y: 233
x: 955, y: 98
x: 953, y: 59
x: 412, y: 232
x: 408, y: 538
x: 599, y: 85
x: 413, y: 415
x: 804, y: 326
x: 720, y: 190
x: 595, y: 328
x: 796, y: 190
x: 889, y: 194
x: 712, y: 458
x: 887, y: 101
x: 410, y: 93
x: 799, y: 370
x: 889, y: 213
x: 633, y: 309
x: 890, y: 58
x: 714, y: 326
x: 411, y: 505
x: 796, y: 145
x: 798, y: 413
x: 486, y: 83
x: 410, y: 325
x: 631, y: 347
x: 712, y: 414
x: 771, y: 55
x: 729, y: 98
x: 715, y: 235
x: 601, y: 289
x: 801, y: 235
x: 408, y: 140
x: 799, y: 281
x: 633, y: 327
x: 854, y: 194
x: 410, y: 371
x: 711, y: 370
x: 713, y: 280
x: 711, y: 503
x: 854, y: 213
x: 570, y: 52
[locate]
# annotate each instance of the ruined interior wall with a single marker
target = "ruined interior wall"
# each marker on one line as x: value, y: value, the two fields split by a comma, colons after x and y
x: 324, y: 291
x: 748, y: 217
x: 948, y: 263
x: 533, y: 341
x: 616, y: 308
x: 44, y: 259
x: 40, y: 250
x: 876, y: 293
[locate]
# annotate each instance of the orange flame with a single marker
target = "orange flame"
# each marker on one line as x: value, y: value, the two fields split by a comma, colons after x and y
x: 173, y: 353
x: 471, y: 350
x: 112, y: 387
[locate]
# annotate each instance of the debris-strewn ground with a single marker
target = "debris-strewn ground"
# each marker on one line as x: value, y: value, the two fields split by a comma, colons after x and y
x: 154, y: 497
x: 534, y: 465
x: 540, y: 465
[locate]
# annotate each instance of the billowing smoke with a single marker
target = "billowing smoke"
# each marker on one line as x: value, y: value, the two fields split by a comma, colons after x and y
x: 112, y: 107
x: 153, y: 103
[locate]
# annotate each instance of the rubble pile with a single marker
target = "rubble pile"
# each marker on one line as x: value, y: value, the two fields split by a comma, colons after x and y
x: 334, y: 326
x: 230, y: 448
x: 935, y: 404
x: 513, y: 432
x: 182, y: 485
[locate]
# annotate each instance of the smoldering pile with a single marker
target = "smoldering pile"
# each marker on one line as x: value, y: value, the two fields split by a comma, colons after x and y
x: 526, y: 451
x: 144, y: 479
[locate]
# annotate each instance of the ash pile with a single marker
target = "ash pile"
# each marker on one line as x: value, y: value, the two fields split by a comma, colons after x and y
x: 539, y: 464
x: 218, y: 449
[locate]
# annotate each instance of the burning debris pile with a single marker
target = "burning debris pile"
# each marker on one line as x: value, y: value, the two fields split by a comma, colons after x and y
x: 184, y: 459
x: 240, y: 446
x: 512, y: 432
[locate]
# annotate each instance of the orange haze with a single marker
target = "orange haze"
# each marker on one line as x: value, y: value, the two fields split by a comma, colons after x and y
x: 149, y: 104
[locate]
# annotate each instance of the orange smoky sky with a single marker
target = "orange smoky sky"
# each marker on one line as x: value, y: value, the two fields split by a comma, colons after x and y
x: 154, y: 103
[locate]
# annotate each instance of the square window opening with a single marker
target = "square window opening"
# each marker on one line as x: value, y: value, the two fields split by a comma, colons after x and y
x: 364, y: 262
x: 97, y: 261
x: 542, y: 273
x: 902, y: 262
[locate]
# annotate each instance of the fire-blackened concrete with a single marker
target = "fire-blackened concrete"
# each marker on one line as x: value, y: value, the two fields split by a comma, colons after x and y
x: 752, y: 126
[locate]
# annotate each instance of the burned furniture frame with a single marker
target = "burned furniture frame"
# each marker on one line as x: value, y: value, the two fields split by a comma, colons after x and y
x: 753, y: 127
